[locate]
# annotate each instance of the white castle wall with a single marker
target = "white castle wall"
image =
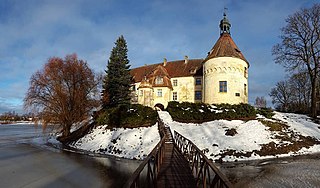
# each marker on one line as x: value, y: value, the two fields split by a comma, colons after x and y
x: 227, y: 69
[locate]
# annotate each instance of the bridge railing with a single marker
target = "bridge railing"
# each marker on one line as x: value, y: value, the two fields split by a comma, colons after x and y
x: 147, y: 172
x: 206, y: 174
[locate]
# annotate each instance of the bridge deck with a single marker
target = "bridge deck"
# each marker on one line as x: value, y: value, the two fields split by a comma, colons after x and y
x: 175, y: 170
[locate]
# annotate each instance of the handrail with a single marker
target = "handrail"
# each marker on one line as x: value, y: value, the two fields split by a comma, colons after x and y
x: 206, y: 174
x: 152, y: 163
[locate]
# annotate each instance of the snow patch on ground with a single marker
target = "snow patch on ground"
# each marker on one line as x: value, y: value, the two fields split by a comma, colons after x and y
x: 210, y: 136
x: 127, y: 143
x: 300, y: 123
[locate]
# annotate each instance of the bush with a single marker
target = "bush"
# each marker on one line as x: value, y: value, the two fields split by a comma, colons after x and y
x: 201, y: 112
x: 266, y: 112
x: 128, y: 116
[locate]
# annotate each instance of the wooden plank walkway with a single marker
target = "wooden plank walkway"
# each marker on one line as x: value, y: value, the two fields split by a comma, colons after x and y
x: 175, y: 170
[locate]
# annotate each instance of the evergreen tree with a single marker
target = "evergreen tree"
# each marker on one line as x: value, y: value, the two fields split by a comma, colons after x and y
x: 117, y: 81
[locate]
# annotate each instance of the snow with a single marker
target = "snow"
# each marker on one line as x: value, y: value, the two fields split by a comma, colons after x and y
x: 127, y: 143
x: 300, y: 123
x: 209, y: 136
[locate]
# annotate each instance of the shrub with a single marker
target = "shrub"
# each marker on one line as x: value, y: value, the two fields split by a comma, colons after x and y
x: 201, y: 112
x: 128, y: 116
x: 266, y: 112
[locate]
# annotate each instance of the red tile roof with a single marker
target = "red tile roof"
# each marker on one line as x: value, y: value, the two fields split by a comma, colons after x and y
x: 161, y: 72
x: 225, y: 47
x: 179, y: 68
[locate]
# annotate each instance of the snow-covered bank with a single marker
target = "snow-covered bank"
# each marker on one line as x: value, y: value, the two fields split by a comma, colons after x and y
x: 127, y: 143
x: 251, y: 135
x: 251, y: 138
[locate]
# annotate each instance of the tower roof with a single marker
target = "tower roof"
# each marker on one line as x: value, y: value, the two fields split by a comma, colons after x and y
x: 225, y: 46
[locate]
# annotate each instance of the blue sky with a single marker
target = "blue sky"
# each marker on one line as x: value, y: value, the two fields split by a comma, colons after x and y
x: 32, y: 31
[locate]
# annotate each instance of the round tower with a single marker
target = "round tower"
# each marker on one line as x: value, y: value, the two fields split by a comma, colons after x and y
x: 225, y: 70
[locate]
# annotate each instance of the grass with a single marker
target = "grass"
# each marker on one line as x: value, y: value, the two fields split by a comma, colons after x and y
x: 274, y: 125
x: 289, y: 141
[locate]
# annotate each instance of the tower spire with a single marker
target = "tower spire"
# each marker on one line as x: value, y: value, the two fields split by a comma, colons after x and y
x: 224, y: 23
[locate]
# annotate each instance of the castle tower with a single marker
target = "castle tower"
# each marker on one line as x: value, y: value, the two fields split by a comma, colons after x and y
x: 225, y: 70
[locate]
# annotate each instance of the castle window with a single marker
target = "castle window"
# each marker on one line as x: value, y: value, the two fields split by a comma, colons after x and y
x: 159, y: 80
x: 245, y: 89
x: 159, y: 92
x: 175, y: 96
x: 141, y: 92
x: 198, y: 95
x: 133, y: 88
x: 175, y: 82
x: 198, y: 81
x: 223, y: 86
x: 237, y: 94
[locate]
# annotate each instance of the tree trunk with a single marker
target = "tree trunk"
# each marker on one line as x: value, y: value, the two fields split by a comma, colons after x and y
x: 76, y: 135
x: 313, y: 98
x: 66, y: 131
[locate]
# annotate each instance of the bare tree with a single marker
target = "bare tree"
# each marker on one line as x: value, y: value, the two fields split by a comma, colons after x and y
x: 63, y: 92
x: 260, y: 102
x: 300, y: 46
x: 281, y: 96
x: 301, y: 90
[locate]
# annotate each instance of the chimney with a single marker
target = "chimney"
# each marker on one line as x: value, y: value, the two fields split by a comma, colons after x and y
x: 186, y: 59
x: 165, y: 62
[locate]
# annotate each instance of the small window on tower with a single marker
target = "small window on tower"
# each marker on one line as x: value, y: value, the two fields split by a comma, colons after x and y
x: 245, y: 89
x: 245, y: 72
x: 237, y: 94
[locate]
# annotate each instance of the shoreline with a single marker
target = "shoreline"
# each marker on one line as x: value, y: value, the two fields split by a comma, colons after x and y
x: 16, y: 122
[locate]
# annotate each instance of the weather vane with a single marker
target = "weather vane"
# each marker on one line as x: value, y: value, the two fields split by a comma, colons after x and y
x: 225, y: 11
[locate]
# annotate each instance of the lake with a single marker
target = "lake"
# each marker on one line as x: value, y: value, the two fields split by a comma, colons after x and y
x: 26, y: 160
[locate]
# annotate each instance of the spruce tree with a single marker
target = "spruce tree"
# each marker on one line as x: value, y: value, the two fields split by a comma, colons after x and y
x: 117, y: 81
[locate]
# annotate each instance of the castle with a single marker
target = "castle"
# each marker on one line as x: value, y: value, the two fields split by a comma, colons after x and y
x: 222, y: 77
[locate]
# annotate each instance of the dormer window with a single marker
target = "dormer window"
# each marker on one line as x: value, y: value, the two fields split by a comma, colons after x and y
x: 159, y: 80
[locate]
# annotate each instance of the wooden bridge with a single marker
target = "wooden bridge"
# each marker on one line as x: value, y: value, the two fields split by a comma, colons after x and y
x: 176, y: 162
